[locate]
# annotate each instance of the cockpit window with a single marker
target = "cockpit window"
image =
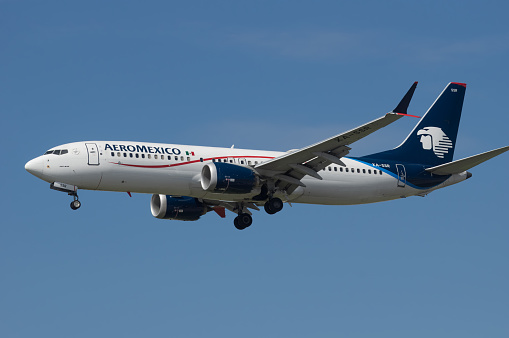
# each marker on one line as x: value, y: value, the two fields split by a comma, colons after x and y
x: 56, y: 152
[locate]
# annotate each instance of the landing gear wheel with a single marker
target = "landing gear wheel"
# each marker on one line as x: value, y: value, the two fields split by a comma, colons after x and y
x: 75, y: 205
x: 273, y: 205
x: 242, y: 221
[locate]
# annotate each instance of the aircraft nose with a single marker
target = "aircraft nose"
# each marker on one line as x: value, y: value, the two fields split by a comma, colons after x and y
x: 34, y: 167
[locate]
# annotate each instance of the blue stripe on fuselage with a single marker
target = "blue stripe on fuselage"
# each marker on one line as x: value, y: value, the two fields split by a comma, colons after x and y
x: 416, y: 176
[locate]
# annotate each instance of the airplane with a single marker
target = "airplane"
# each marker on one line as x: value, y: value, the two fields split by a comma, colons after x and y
x: 188, y: 181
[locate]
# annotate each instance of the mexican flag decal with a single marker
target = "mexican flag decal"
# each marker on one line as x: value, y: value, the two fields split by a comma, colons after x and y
x: 190, y: 153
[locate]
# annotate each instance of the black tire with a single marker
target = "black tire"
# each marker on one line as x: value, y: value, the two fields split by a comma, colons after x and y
x: 75, y: 205
x: 267, y: 208
x: 273, y: 205
x: 236, y: 223
x: 242, y: 221
x: 245, y: 220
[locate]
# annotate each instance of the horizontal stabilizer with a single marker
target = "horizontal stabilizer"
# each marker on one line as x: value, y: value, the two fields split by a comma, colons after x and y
x: 462, y: 165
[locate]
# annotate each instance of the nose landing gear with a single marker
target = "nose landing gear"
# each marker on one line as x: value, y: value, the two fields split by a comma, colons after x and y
x: 71, y: 190
x: 75, y: 204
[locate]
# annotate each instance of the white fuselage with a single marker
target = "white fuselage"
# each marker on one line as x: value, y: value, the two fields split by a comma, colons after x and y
x: 171, y: 169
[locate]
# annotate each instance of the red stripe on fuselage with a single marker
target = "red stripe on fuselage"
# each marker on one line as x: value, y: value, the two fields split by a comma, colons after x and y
x: 184, y: 163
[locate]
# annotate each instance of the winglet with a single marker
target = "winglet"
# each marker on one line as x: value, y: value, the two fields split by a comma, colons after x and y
x: 402, y: 107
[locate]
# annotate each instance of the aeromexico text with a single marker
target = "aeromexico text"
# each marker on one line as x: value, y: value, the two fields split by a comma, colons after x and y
x: 144, y: 149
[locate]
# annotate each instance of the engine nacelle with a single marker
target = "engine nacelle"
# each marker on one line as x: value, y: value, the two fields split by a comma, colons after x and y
x: 177, y: 208
x: 228, y: 178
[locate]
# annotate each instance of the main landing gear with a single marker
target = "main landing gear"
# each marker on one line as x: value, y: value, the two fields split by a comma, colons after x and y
x: 273, y: 205
x: 242, y: 221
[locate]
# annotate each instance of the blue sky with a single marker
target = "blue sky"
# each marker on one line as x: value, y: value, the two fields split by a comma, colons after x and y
x: 265, y: 75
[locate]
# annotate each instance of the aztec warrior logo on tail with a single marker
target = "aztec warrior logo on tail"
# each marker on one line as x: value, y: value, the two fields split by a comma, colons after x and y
x: 434, y: 138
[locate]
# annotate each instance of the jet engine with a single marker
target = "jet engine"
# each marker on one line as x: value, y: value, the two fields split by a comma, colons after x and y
x: 181, y: 208
x: 228, y: 178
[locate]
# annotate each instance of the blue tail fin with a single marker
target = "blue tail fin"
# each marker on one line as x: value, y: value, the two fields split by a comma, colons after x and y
x: 433, y: 140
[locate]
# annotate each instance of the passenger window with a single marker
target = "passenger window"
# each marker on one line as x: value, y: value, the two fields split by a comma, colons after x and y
x: 256, y: 162
x: 249, y: 162
x: 149, y: 156
x: 241, y: 162
x: 369, y: 171
x: 137, y: 155
x: 335, y: 168
x: 231, y: 161
x: 155, y: 157
x: 380, y: 172
x: 162, y: 157
x: 346, y: 169
x: 131, y: 155
x: 330, y: 169
x: 182, y: 158
x: 363, y: 171
x: 112, y: 154
x: 176, y: 158
x: 358, y: 171
x: 118, y: 154
x: 125, y: 155
x: 188, y: 159
x: 142, y: 155
x: 201, y: 159
x: 341, y: 169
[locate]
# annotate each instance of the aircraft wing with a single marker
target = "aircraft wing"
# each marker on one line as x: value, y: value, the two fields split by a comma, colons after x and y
x: 287, y: 170
x: 464, y: 164
x: 290, y: 168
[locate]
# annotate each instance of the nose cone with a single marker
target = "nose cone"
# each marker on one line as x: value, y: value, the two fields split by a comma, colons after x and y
x: 35, y: 167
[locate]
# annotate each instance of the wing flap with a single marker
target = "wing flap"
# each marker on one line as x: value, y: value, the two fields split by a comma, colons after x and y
x: 464, y: 164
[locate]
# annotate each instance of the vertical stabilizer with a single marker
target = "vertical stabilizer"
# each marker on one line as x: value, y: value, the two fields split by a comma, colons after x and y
x: 433, y: 140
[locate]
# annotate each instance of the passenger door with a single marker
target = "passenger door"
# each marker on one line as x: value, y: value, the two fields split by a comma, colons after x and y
x: 401, y: 175
x: 93, y: 153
